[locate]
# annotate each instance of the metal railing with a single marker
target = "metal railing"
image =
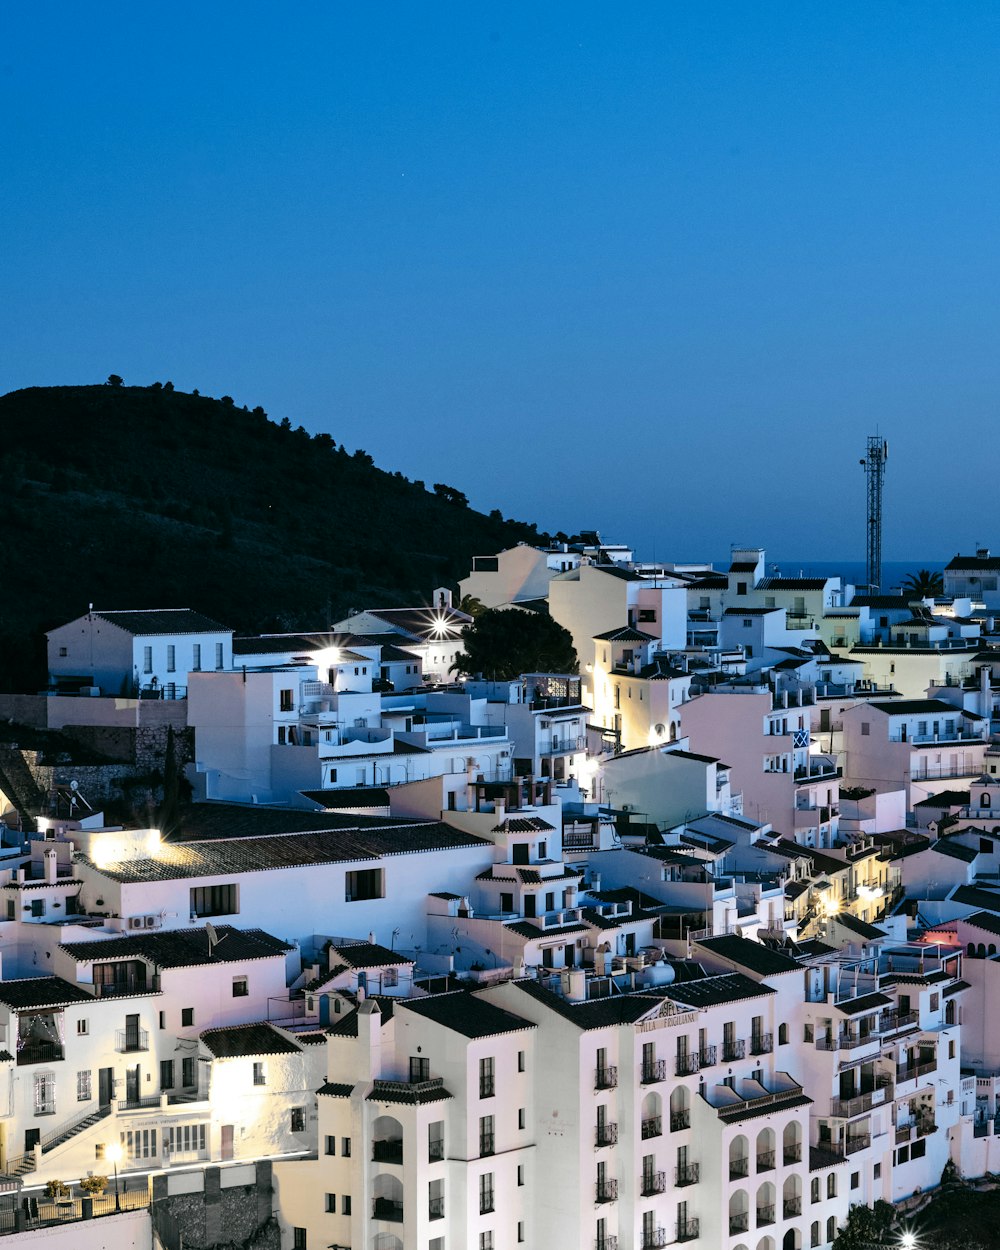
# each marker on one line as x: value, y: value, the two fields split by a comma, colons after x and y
x: 487, y: 1087
x: 606, y: 1191
x: 608, y: 1242
x: 605, y: 1078
x: 606, y: 1135
x: 387, y: 1209
x: 739, y: 1168
x: 765, y: 1160
x: 127, y: 1041
x: 740, y: 1222
x: 735, y: 1049
x: 706, y: 1057
x: 651, y: 1127
x: 686, y: 1065
x: 655, y: 1070
x: 765, y: 1215
x: 860, y: 1142
x: 679, y: 1120
x: 140, y: 1102
x: 916, y: 1070
x: 127, y: 987
x: 687, y: 1174
x: 486, y: 1143
x: 39, y: 1052
x: 761, y: 1044
x: 791, y: 1206
x: 435, y: 1208
x: 389, y: 1150
x: 792, y: 1153
x: 687, y: 1230
x: 652, y: 1183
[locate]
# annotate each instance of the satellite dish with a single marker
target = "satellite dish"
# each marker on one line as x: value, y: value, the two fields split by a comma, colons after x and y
x: 74, y: 785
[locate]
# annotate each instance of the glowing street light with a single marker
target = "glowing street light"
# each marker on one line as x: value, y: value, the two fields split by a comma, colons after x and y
x: 908, y: 1241
x: 114, y: 1153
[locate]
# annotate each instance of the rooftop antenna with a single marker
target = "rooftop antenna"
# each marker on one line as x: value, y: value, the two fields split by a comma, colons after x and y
x: 874, y: 466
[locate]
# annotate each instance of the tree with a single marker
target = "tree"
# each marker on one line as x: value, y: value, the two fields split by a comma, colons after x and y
x: 115, y: 380
x: 503, y: 644
x: 924, y: 585
x: 450, y: 494
x: 470, y: 605
x: 866, y: 1226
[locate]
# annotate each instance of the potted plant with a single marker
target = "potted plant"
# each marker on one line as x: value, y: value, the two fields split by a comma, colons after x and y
x: 94, y: 1186
x: 54, y: 1190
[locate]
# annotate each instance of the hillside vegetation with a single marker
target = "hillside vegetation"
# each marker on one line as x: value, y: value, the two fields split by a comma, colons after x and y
x: 134, y: 497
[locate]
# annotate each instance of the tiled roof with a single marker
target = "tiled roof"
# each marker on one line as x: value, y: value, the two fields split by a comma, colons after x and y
x: 531, y: 931
x: 347, y: 1025
x: 973, y: 562
x: 730, y: 987
x: 41, y: 992
x: 792, y: 583
x: 242, y: 1040
x: 751, y: 954
x: 624, y: 633
x: 424, y: 624
x: 467, y: 1014
x: 916, y: 707
x: 595, y: 1013
x: 945, y: 798
x: 202, y: 821
x: 335, y: 1089
x: 524, y: 824
x: 277, y: 644
x: 369, y: 955
x: 353, y: 796
x: 416, y: 1093
x: 986, y: 920
x: 867, y: 1002
x: 954, y: 850
x: 733, y: 1115
x: 860, y: 927
x: 230, y: 857
x: 182, y: 948
x: 163, y: 621
x: 976, y: 896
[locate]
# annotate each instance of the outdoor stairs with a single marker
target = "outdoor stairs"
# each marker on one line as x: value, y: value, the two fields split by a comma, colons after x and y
x: 23, y: 1164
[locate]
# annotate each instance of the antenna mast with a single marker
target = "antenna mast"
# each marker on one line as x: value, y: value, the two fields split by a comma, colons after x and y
x: 874, y: 467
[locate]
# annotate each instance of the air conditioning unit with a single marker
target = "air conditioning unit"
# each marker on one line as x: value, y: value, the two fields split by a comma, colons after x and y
x: 136, y: 922
x: 151, y: 922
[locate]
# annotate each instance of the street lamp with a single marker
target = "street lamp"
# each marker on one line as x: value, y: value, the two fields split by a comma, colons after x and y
x: 114, y: 1153
x: 908, y: 1241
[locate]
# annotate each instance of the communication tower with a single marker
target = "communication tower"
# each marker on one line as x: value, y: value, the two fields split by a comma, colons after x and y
x: 874, y: 467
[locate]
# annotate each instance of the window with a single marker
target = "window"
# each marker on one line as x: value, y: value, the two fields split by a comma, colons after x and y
x: 814, y: 1189
x: 259, y: 1075
x: 215, y: 900
x: 171, y: 658
x: 196, y: 657
x: 435, y: 1141
x: 486, y: 1241
x: 299, y: 1239
x: 877, y: 1171
x: 82, y: 1028
x: 520, y: 1230
x: 298, y: 1120
x: 520, y: 1174
x: 45, y: 1093
x: 486, y: 1135
x: 487, y: 1079
x: 935, y: 1002
x: 163, y: 1019
x: 286, y: 700
x: 345, y: 1149
x: 814, y: 1233
x: 807, y: 1032
x: 37, y: 907
x: 189, y: 1074
x: 166, y: 1074
x: 831, y: 1228
x: 855, y: 1180
x: 543, y: 850
x: 486, y: 1193
x: 522, y: 1117
x: 364, y: 884
x: 420, y: 1069
x: 345, y: 1204
x: 241, y: 987
x: 147, y: 659
x: 331, y: 1204
x: 831, y: 1185
x: 83, y: 1087
x: 218, y: 664
x: 520, y: 1061
x: 951, y: 1050
x: 331, y: 1144
x: 782, y: 1034
x: 62, y: 652
x: 865, y: 728
x: 187, y: 1017
x: 390, y: 978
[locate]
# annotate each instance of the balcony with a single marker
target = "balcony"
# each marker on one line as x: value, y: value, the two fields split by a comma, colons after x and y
x: 734, y: 1049
x: 435, y: 1151
x: 791, y: 1207
x: 792, y: 1154
x: 761, y: 1044
x: 486, y: 1144
x: 738, y: 1168
x: 687, y: 1230
x: 652, y: 1238
x: 765, y: 1160
x: 127, y: 987
x: 910, y: 1072
x: 679, y: 1120
x: 687, y: 1174
x: 653, y: 1127
x: 893, y: 1021
x: 655, y: 1070
x: 606, y: 1078
x: 387, y: 1151
x: 487, y: 1087
x: 859, y: 1142
x: 847, y: 1108
x: 39, y: 1052
x: 145, y: 1102
x: 706, y: 1057
x: 686, y: 1065
x: 128, y: 1041
x: 486, y: 1202
x: 652, y: 1183
x: 739, y: 1223
x: 765, y: 1215
x: 386, y: 1209
x: 435, y: 1208
x: 606, y: 1191
x: 606, y: 1135
x: 608, y: 1242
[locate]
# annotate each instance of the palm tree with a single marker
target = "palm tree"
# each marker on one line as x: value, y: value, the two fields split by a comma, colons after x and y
x: 924, y: 585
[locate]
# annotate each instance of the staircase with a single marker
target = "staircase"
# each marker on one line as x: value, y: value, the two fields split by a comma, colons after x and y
x: 18, y: 783
x: 21, y: 1165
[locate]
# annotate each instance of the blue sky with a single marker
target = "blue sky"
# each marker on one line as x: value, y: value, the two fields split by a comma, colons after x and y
x: 656, y: 268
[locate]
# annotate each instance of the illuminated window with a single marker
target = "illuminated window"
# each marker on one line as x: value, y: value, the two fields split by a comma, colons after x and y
x: 259, y: 1076
x: 83, y: 1086
x: 215, y: 900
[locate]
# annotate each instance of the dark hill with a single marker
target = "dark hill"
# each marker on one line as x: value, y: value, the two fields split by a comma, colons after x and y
x: 147, y: 497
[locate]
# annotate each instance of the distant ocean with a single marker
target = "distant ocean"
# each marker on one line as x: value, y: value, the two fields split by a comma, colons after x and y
x: 850, y: 572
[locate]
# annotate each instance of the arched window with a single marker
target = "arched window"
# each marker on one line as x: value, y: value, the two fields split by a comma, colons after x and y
x: 831, y: 1228
x: 791, y: 1143
x: 680, y: 1113
x: 984, y: 799
x: 972, y: 948
x: 765, y: 1205
x: 652, y: 1115
x: 782, y: 1034
x: 765, y: 1150
x: 814, y: 1189
x: 981, y: 950
x: 814, y: 1233
x: 739, y: 1157
x: 992, y: 948
x: 739, y: 1212
x: 831, y: 1187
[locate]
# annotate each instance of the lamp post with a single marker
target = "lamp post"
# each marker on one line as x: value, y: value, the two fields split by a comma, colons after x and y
x: 114, y: 1153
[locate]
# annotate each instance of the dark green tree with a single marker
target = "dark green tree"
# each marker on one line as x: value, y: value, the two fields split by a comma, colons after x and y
x: 503, y: 644
x: 924, y: 585
x: 115, y: 380
x: 866, y: 1227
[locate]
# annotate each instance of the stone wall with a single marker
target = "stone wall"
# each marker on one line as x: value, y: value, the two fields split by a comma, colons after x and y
x: 214, y: 1214
x: 24, y: 709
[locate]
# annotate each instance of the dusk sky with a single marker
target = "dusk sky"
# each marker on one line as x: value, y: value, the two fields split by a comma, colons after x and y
x: 654, y: 268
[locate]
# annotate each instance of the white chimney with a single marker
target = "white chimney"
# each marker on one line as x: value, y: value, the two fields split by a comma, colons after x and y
x: 50, y: 865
